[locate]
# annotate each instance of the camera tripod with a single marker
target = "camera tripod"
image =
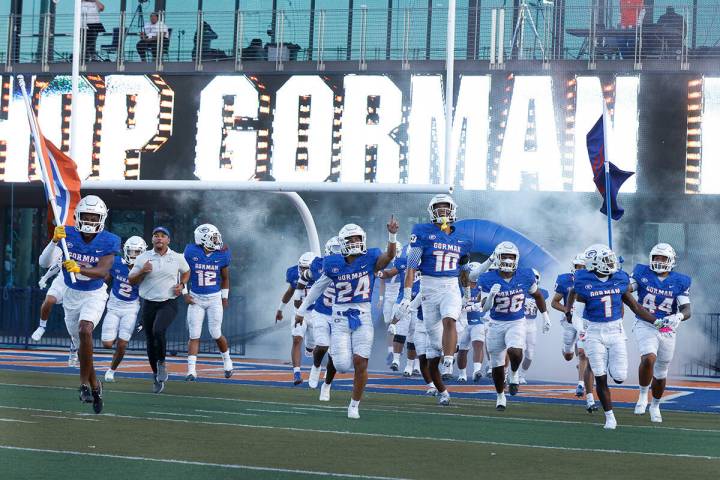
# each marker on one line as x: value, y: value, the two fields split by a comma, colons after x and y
x: 518, y: 37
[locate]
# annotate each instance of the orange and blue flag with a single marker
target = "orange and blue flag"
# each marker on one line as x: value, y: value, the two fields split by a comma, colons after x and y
x: 63, y: 181
x: 597, y: 151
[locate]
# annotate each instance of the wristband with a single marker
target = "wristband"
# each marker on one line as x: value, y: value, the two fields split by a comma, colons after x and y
x: 225, y: 293
x: 281, y: 307
x: 184, y: 289
x: 392, y: 237
x: 680, y: 316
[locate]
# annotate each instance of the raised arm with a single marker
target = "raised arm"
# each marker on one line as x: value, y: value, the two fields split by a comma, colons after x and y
x: 384, y: 260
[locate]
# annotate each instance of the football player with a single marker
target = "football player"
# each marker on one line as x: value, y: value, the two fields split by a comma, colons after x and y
x: 92, y: 252
x: 209, y: 262
x: 54, y: 297
x: 574, y: 338
x: 411, y: 326
x: 390, y: 280
x: 441, y: 255
x: 123, y: 305
x: 531, y: 312
x: 353, y: 274
x: 296, y: 293
x: 604, y: 288
x: 475, y: 333
x: 666, y: 294
x: 505, y: 291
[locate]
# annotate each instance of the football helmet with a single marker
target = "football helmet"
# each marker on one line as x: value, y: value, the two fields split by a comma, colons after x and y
x: 90, y: 204
x: 507, y: 264
x: 306, y: 259
x: 537, y: 275
x: 133, y: 247
x: 332, y: 246
x: 578, y: 260
x: 208, y: 236
x: 442, y: 214
x: 352, y: 248
x: 662, y: 250
x: 600, y: 259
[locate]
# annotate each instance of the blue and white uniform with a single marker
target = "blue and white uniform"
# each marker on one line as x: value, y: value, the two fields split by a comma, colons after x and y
x: 322, y: 308
x: 531, y: 313
x: 122, y: 306
x: 57, y: 287
x: 661, y: 297
x: 438, y: 256
x: 415, y: 333
x: 205, y: 285
x: 507, y: 325
x: 476, y: 329
x: 605, y: 341
x: 85, y: 299
x: 573, y: 333
x: 292, y: 277
x: 392, y: 287
x: 352, y: 327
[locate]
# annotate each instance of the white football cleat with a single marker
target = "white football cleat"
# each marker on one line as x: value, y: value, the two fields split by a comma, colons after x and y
x: 73, y: 359
x: 522, y: 380
x: 462, y: 378
x: 314, y: 377
x: 655, y: 415
x: 640, y: 406
x: 110, y: 376
x: 353, y: 412
x: 325, y: 392
x: 610, y: 423
x: 501, y: 402
x: 444, y: 399
x: 37, y: 334
x: 431, y: 391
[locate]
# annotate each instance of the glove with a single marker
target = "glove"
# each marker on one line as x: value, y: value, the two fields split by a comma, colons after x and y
x: 392, y: 329
x: 673, y: 321
x: 546, y: 322
x: 71, y: 266
x: 42, y: 284
x: 403, y: 307
x: 59, y: 233
x: 472, y: 307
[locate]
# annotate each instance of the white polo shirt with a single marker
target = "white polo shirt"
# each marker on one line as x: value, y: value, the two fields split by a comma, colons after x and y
x: 157, y: 285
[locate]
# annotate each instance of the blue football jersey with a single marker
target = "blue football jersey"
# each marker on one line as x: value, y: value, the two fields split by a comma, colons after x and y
x: 89, y: 255
x: 603, y: 300
x: 563, y: 284
x: 531, y: 310
x: 292, y: 276
x: 475, y: 318
x: 324, y: 302
x: 441, y: 252
x: 354, y: 281
x: 657, y: 295
x: 415, y: 287
x: 401, y: 264
x: 205, y: 268
x: 510, y: 301
x: 121, y: 288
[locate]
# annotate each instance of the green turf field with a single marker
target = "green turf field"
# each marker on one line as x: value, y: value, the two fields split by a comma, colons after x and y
x: 206, y: 430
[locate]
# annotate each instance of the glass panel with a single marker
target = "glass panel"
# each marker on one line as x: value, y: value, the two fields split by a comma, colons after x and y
x: 126, y: 223
x: 98, y: 36
x: 22, y: 234
x: 375, y: 17
x: 331, y: 23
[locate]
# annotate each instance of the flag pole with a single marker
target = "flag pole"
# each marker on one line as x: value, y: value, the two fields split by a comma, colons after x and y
x: 41, y: 164
x: 606, y: 118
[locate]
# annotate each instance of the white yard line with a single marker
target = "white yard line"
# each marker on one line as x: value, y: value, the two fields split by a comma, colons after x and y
x: 180, y: 414
x: 227, y: 413
x: 15, y: 420
x: 201, y: 464
x: 66, y: 418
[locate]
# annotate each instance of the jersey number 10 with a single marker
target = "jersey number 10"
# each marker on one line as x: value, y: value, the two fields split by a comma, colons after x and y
x: 445, y: 261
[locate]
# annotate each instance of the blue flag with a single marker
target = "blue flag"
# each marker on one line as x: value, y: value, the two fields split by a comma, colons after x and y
x: 596, y: 152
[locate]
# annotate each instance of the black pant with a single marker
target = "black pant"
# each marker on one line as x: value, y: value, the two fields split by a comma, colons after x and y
x: 156, y: 318
x: 93, y: 30
x: 147, y: 46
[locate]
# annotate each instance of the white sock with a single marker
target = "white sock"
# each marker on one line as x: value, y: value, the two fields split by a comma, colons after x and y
x: 644, y: 393
x: 416, y: 364
x: 581, y: 383
x: 462, y: 372
x: 477, y: 366
x: 431, y: 385
x: 448, y: 360
x: 655, y: 402
x: 296, y: 369
x: 113, y: 370
x: 354, y: 403
x: 590, y: 398
x: 445, y: 393
x: 192, y: 360
x: 390, y: 350
x: 609, y: 414
x: 396, y: 358
x: 43, y: 323
x: 226, y: 355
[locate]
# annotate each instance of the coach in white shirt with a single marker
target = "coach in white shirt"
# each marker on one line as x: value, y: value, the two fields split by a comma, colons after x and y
x: 149, y: 37
x: 90, y: 11
x: 162, y: 275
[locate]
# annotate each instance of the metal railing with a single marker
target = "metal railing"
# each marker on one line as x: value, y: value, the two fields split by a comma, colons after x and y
x: 705, y: 359
x: 20, y: 312
x: 531, y: 32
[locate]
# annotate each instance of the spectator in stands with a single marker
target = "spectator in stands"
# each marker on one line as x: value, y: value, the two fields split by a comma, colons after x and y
x: 208, y: 53
x: 254, y: 51
x: 90, y: 11
x: 149, y: 37
x: 673, y: 29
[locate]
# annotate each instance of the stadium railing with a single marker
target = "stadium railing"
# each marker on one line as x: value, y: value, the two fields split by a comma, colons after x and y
x: 20, y: 314
x: 539, y: 31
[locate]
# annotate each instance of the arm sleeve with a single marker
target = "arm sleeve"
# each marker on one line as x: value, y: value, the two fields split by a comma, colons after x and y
x: 475, y: 273
x: 313, y: 294
x: 48, y: 257
x: 413, y: 259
